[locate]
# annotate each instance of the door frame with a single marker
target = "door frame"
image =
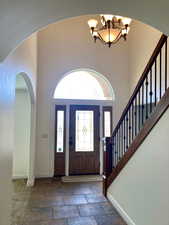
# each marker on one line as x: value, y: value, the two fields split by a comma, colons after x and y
x: 69, y: 102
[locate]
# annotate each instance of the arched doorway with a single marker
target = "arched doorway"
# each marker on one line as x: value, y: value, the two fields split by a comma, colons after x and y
x: 83, y: 115
x: 24, y: 139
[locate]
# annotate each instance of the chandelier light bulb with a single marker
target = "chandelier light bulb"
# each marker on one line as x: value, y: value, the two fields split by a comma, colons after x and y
x: 119, y: 18
x: 108, y: 17
x: 125, y: 31
x: 92, y: 23
x: 126, y: 21
x: 95, y: 34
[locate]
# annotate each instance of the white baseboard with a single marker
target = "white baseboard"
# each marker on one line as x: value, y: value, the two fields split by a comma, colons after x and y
x: 31, y: 182
x: 19, y: 177
x: 120, y: 210
x: 43, y: 176
x: 82, y: 178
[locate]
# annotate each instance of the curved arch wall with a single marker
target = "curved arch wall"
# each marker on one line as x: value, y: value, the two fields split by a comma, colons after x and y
x: 22, y: 60
x: 24, y: 129
x: 37, y: 14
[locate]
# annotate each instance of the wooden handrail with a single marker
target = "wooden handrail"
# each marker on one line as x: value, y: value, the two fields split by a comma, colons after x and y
x: 150, y: 123
x: 146, y: 106
x: 143, y: 77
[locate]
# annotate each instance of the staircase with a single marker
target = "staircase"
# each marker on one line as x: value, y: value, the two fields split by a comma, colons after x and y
x: 148, y: 103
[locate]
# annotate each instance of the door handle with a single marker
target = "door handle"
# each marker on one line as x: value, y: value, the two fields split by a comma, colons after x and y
x: 70, y: 141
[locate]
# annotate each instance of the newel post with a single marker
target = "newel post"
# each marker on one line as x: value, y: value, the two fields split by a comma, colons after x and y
x: 107, y: 162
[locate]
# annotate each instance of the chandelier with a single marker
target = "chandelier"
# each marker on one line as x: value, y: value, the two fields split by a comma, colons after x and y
x: 112, y: 29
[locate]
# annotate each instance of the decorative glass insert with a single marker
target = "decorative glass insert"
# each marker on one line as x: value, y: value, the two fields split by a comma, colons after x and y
x: 84, y: 131
x: 107, y: 124
x: 60, y: 131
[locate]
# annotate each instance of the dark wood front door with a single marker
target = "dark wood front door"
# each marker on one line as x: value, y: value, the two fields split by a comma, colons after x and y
x: 84, y: 143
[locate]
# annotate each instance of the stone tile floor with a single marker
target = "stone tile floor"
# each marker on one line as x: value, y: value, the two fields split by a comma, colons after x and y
x: 51, y: 202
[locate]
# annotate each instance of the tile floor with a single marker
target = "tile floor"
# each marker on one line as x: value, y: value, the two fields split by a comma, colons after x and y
x: 51, y: 202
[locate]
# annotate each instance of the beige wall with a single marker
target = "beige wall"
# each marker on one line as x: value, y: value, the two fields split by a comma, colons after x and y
x: 22, y: 60
x: 142, y: 42
x: 61, y: 52
x: 22, y: 121
x: 142, y: 188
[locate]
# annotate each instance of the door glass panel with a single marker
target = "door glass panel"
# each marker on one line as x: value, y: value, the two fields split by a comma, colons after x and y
x: 107, y: 124
x: 84, y: 131
x: 60, y: 131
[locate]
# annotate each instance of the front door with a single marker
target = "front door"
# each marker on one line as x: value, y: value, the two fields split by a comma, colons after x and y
x: 84, y: 140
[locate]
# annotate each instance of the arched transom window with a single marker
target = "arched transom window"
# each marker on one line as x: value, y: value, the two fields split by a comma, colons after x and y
x: 83, y: 85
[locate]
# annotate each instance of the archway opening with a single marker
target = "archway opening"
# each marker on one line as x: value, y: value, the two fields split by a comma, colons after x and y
x: 22, y: 126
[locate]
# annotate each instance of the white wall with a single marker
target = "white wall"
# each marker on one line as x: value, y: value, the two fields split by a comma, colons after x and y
x: 60, y: 53
x: 22, y: 120
x: 142, y: 187
x: 142, y: 42
x: 22, y: 60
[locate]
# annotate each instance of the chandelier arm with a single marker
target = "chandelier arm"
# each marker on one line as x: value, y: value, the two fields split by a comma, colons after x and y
x: 101, y: 39
x: 98, y: 37
x: 114, y: 42
x: 118, y: 38
x: 103, y: 42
